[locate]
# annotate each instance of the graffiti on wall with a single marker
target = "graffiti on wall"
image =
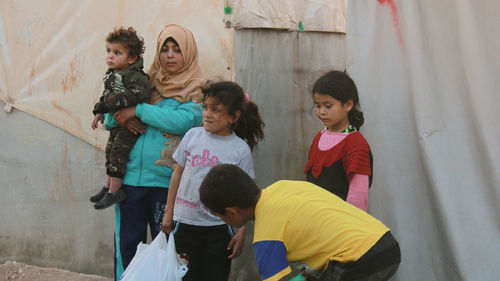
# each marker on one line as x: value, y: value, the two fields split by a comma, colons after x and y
x: 395, y: 19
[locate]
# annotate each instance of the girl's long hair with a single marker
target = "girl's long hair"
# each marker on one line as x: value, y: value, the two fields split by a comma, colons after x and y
x: 249, y: 126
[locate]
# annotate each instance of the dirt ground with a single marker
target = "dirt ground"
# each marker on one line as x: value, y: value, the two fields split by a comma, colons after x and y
x: 12, y: 270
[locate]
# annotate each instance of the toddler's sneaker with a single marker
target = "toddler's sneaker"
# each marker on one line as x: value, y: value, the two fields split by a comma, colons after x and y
x: 110, y: 199
x: 99, y: 195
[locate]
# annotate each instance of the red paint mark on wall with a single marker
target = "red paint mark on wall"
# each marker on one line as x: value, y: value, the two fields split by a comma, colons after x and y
x: 32, y: 72
x: 32, y: 77
x: 395, y: 20
x: 67, y: 111
x: 222, y: 42
x: 77, y: 122
x: 73, y: 77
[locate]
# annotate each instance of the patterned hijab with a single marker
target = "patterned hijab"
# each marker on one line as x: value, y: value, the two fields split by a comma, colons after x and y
x: 184, y: 85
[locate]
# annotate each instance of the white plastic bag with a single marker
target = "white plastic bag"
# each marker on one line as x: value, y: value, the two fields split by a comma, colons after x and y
x: 155, y: 262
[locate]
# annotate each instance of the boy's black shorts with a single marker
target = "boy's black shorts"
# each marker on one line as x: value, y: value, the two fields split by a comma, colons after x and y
x: 378, y: 264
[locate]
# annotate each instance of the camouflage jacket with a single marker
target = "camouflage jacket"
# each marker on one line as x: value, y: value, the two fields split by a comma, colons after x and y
x: 124, y: 88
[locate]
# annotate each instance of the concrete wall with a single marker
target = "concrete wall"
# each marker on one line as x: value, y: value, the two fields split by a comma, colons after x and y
x: 47, y: 175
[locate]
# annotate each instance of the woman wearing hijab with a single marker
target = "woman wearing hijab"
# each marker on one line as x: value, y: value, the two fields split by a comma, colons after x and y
x: 174, y: 109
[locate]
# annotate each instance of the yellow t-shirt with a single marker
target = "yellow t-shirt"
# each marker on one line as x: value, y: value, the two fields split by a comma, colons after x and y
x: 299, y: 221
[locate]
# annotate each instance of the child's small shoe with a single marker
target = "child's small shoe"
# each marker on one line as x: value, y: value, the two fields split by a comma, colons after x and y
x: 99, y: 195
x: 110, y: 199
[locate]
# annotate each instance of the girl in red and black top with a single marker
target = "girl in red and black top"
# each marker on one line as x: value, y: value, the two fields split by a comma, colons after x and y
x: 340, y: 159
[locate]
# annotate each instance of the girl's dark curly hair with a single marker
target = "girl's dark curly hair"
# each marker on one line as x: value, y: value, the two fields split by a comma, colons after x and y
x: 249, y: 126
x: 129, y: 37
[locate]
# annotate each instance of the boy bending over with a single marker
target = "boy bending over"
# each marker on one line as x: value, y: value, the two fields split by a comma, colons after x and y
x: 298, y: 221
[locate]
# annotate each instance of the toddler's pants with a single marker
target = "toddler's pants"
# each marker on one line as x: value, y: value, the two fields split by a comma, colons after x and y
x: 120, y: 143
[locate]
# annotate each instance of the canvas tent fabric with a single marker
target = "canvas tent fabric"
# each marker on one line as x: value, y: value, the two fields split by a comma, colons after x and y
x: 52, y: 52
x: 428, y: 75
x: 295, y: 15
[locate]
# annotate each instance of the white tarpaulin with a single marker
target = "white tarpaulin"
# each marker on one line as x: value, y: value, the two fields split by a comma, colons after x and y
x: 429, y: 73
x: 318, y: 15
x: 428, y: 78
x: 52, y: 52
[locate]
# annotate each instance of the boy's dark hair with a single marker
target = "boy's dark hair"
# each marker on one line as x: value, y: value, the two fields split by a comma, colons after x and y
x: 129, y: 37
x: 340, y: 86
x: 249, y: 126
x: 227, y: 185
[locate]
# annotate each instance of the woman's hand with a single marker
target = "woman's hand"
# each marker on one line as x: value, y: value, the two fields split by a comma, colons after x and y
x: 167, y: 222
x: 124, y: 114
x: 237, y: 242
x: 135, y: 126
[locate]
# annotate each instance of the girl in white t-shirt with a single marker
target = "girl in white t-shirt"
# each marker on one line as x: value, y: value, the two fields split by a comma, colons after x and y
x: 231, y: 129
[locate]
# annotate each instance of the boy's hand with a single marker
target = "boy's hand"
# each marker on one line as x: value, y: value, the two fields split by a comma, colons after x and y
x: 98, y: 117
x: 237, y: 242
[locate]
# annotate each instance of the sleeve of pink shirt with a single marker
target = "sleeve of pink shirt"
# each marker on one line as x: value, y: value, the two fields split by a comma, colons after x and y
x: 358, y: 191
